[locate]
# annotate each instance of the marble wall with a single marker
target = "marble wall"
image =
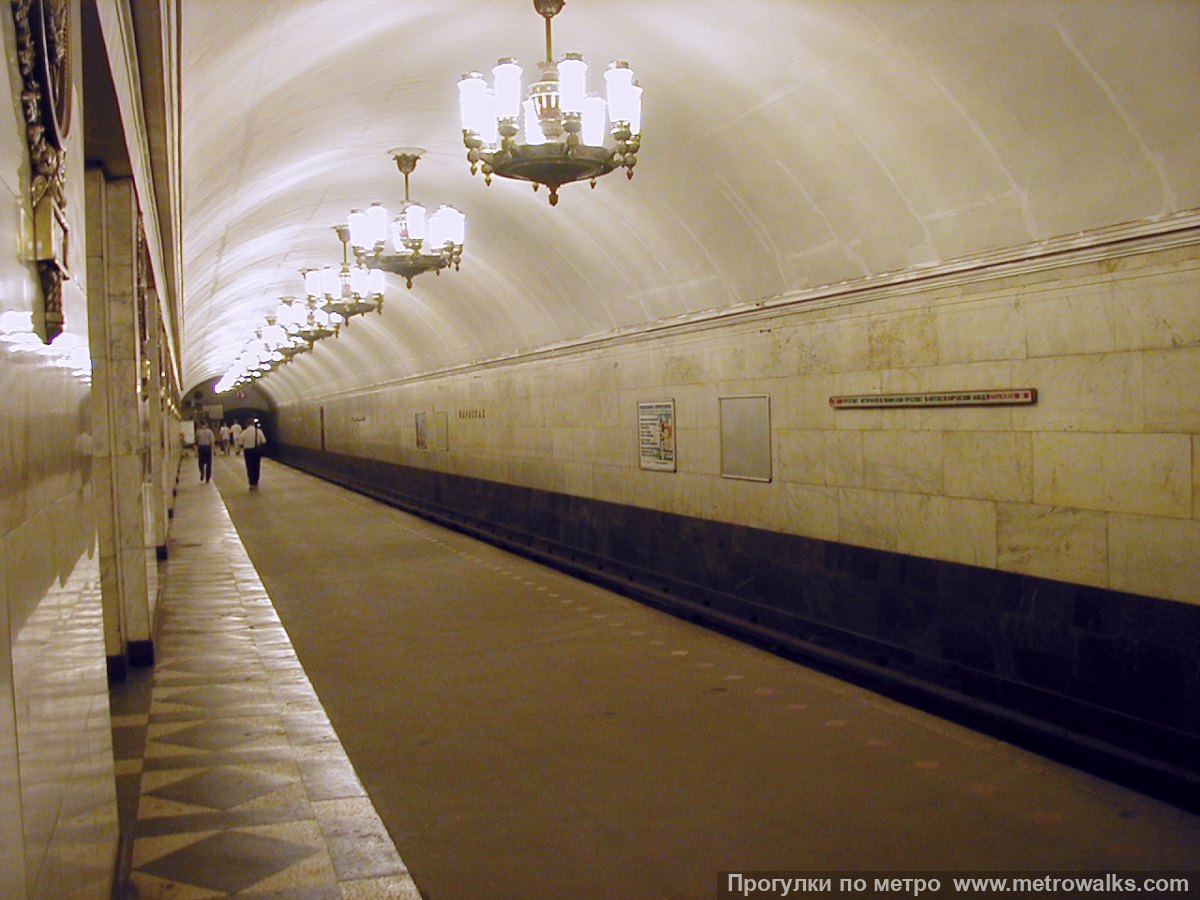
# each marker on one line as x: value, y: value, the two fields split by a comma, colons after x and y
x: 57, y: 796
x: 1098, y: 483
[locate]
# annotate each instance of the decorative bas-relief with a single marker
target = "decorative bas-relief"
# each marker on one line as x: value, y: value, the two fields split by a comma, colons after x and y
x: 43, y: 56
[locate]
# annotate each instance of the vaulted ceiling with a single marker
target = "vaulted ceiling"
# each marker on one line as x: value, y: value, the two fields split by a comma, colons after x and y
x: 788, y: 144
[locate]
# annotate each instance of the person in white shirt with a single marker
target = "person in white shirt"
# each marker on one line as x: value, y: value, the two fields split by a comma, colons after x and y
x: 252, y: 441
x: 235, y: 435
x: 204, y: 450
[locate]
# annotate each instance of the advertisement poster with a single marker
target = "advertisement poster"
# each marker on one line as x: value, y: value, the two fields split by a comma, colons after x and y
x: 422, y: 437
x: 656, y: 435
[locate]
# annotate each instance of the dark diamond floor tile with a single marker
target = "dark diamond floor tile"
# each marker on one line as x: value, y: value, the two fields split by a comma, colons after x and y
x: 221, y: 788
x: 230, y: 861
x: 192, y: 823
x: 222, y: 734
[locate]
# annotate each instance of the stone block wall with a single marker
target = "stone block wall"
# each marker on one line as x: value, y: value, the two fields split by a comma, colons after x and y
x: 1095, y: 484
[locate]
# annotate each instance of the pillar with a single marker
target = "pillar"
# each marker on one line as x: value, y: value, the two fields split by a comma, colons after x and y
x: 119, y: 466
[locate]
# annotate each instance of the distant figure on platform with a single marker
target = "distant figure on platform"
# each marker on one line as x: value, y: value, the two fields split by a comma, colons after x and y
x: 252, y: 441
x: 204, y: 450
x: 235, y: 435
x: 223, y: 436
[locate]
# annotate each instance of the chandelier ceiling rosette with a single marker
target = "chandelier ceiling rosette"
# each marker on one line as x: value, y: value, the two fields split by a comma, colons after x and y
x: 556, y: 134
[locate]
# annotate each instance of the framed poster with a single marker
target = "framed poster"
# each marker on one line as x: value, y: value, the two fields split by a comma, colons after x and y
x: 422, y: 435
x: 656, y: 435
x: 746, y: 437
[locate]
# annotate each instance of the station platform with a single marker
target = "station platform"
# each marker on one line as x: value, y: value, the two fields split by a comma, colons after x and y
x: 350, y: 701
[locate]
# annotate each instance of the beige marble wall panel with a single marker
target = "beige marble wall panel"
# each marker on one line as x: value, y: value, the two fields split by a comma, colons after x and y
x: 1068, y: 470
x: 813, y: 511
x: 1101, y: 392
x: 989, y: 465
x: 1158, y: 312
x: 12, y: 850
x: 867, y: 518
x: 1053, y: 542
x: 699, y: 450
x: 819, y: 348
x: 962, y: 531
x: 1134, y: 473
x: 1073, y: 321
x: 1156, y: 556
x: 1148, y: 473
x: 1196, y: 476
x: 903, y: 461
x: 800, y: 456
x: 979, y: 332
x: 1171, y: 381
x: 802, y: 402
x: 903, y: 340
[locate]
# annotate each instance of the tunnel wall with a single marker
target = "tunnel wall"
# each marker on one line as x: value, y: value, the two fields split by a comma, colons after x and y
x: 1039, y: 557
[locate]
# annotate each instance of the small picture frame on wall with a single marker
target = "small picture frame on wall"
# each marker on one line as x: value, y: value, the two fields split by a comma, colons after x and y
x: 746, y: 437
x: 422, y: 433
x: 656, y: 435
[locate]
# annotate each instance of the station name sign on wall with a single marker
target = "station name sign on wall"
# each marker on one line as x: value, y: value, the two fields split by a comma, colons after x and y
x: 1000, y: 397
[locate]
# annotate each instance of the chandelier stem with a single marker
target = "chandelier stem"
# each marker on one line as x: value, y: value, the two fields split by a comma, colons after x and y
x: 549, y: 43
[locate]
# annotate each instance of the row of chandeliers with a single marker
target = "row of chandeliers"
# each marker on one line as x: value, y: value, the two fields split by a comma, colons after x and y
x: 556, y: 135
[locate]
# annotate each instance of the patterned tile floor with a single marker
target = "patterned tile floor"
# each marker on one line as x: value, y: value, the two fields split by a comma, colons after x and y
x: 230, y: 779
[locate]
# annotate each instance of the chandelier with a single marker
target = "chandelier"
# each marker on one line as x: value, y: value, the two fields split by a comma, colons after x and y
x: 346, y: 291
x: 419, y: 242
x: 293, y: 328
x: 561, y: 126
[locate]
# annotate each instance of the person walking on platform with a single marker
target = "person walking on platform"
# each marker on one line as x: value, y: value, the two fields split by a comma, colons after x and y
x: 204, y: 450
x: 223, y: 435
x: 235, y: 435
x: 252, y: 441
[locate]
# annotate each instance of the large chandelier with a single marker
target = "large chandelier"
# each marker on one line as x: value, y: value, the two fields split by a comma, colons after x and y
x: 419, y: 242
x: 350, y: 290
x: 561, y: 127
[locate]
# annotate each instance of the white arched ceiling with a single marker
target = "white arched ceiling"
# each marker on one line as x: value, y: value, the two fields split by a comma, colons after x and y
x: 788, y: 144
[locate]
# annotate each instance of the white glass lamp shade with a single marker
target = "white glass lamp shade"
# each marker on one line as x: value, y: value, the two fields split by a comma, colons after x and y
x: 285, y: 316
x: 572, y: 80
x: 331, y: 282
x: 274, y: 335
x: 506, y: 86
x: 477, y: 106
x: 359, y: 237
x: 451, y: 227
x: 409, y: 227
x: 594, y: 116
x: 635, y: 112
x: 377, y: 224
x: 533, y: 125
x: 360, y: 282
x: 376, y: 281
x: 312, y: 282
x: 624, y: 98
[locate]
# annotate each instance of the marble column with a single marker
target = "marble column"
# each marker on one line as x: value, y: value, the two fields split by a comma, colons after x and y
x: 121, y: 519
x: 162, y: 481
